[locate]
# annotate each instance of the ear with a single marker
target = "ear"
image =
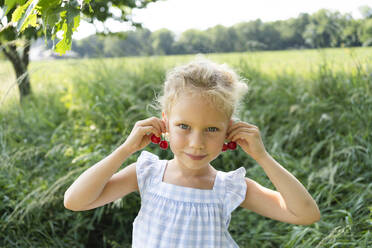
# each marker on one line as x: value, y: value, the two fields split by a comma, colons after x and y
x: 231, y: 121
x: 165, y: 120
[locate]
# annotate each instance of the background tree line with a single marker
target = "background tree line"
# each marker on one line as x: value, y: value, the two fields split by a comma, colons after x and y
x: 321, y: 29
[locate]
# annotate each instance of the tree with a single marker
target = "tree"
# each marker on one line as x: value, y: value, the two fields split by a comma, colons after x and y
x: 351, y: 34
x: 325, y: 29
x: 222, y: 38
x: 162, y: 41
x: 366, y: 11
x: 247, y: 33
x: 366, y: 36
x: 270, y: 36
x: 291, y: 31
x: 137, y: 43
x: 90, y: 47
x: 367, y: 33
x: 194, y: 41
x: 23, y: 21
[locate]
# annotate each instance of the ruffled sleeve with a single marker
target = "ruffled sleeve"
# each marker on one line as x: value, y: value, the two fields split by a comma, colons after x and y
x: 147, y: 167
x: 236, y: 188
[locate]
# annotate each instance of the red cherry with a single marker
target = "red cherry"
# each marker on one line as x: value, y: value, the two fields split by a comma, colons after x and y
x: 224, y: 147
x: 231, y: 145
x: 163, y: 144
x: 155, y: 139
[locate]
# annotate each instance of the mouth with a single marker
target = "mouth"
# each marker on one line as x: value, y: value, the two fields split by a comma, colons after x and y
x: 193, y: 157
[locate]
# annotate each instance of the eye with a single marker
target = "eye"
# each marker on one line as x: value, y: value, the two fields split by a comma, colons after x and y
x: 212, y: 129
x: 183, y: 126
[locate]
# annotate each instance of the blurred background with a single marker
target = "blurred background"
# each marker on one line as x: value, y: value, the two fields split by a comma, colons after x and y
x: 70, y: 96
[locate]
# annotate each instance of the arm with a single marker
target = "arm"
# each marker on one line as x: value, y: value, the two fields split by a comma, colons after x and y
x: 98, y: 181
x: 97, y: 185
x: 291, y: 203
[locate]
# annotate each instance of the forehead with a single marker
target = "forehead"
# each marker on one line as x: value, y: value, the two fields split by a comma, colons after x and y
x: 196, y: 110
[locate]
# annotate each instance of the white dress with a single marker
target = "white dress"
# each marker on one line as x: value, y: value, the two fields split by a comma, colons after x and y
x: 178, y: 216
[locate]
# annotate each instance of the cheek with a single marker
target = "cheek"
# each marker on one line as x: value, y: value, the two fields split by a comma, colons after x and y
x: 217, y: 141
x: 176, y: 140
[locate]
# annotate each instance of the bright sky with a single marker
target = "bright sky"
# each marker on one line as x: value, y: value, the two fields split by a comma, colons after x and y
x: 180, y: 15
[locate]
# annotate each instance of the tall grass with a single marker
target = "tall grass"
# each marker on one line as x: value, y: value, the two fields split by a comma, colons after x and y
x: 315, y: 120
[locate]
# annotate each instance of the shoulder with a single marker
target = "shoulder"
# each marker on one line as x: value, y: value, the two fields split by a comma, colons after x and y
x: 237, y: 173
x: 235, y: 188
x: 148, y: 162
x: 148, y: 167
x: 233, y: 178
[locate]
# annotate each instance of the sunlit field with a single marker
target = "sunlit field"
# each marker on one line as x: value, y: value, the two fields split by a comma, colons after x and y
x: 301, y: 63
x: 313, y: 107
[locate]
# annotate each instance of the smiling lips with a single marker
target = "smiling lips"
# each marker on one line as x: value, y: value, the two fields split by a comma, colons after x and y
x: 196, y: 157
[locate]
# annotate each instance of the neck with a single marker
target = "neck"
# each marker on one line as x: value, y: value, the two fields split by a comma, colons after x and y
x: 183, y: 171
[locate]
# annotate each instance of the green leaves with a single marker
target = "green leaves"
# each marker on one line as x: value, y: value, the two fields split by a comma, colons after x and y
x: 61, y: 17
x: 70, y: 20
x: 9, y: 4
x: 25, y: 18
x: 56, y: 16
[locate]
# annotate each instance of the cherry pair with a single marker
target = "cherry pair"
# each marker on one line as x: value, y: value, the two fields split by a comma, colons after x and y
x: 231, y: 146
x: 157, y: 140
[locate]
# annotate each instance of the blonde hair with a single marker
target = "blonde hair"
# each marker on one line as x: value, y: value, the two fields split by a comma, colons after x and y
x: 218, y: 84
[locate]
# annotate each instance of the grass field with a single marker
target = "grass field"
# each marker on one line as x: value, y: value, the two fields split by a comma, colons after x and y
x: 313, y: 107
x: 301, y: 63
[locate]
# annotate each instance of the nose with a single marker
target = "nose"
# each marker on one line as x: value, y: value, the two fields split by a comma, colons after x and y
x: 196, y: 140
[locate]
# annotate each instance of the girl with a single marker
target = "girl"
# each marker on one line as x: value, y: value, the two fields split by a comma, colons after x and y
x: 185, y: 202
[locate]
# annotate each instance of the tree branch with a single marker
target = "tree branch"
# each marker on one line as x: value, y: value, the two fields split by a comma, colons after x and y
x: 10, y: 24
x: 8, y: 54
x: 25, y: 55
x: 13, y: 50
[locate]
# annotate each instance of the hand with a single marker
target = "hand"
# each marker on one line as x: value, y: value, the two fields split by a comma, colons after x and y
x: 248, y: 137
x: 141, y: 133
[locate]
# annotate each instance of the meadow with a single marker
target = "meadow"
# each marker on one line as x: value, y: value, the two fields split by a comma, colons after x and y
x: 313, y: 107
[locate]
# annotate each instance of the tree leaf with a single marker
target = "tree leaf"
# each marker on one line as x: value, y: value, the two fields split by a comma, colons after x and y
x: 31, y: 21
x: 23, y: 23
x: 71, y: 20
x: 9, y: 5
x: 50, y: 17
x: 17, y: 14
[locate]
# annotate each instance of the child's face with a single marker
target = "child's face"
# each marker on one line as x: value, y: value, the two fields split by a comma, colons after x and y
x: 195, y: 129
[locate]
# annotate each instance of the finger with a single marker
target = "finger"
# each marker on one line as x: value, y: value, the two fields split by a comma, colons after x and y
x: 236, y: 126
x: 163, y: 126
x: 245, y: 123
x: 242, y: 125
x: 240, y: 130
x: 247, y: 134
x: 147, y: 130
x: 155, y: 122
x: 242, y: 136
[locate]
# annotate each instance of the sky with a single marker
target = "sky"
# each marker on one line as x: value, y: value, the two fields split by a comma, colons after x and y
x: 180, y: 15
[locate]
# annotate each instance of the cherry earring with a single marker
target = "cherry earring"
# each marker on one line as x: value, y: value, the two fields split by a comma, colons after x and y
x: 163, y: 144
x: 224, y: 147
x: 229, y: 146
x: 155, y: 139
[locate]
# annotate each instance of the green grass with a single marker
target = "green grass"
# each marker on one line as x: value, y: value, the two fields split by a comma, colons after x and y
x: 313, y: 109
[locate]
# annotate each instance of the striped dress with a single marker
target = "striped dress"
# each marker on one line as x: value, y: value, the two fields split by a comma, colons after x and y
x: 178, y: 216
